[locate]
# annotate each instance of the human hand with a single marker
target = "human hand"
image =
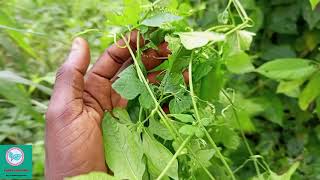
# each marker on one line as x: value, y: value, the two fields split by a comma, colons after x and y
x: 74, y: 143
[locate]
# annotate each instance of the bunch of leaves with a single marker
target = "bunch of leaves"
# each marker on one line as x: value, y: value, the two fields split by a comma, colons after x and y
x: 202, y: 131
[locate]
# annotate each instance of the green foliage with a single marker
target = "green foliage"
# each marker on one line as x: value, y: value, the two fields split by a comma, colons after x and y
x: 287, y: 69
x: 255, y: 83
x: 122, y: 150
x: 93, y: 175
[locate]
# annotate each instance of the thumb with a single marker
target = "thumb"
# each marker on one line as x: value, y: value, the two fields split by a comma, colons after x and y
x: 68, y: 89
x: 79, y: 56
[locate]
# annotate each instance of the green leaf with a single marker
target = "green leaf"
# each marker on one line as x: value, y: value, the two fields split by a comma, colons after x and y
x: 238, y: 41
x: 245, y: 39
x: 18, y: 96
x: 188, y: 130
x: 192, y: 40
x: 311, y: 16
x: 13, y: 77
x: 287, y: 69
x: 172, y: 83
x: 239, y: 63
x: 200, y: 70
x: 245, y: 121
x: 159, y: 155
x: 180, y: 104
x: 310, y: 92
x: 314, y: 3
x: 92, y: 176
x: 145, y: 99
x: 183, y: 117
x: 287, y: 175
x: 155, y: 127
x: 129, y: 16
x: 212, y: 84
x: 122, y: 115
x: 174, y: 43
x: 170, y: 4
x: 225, y: 135
x: 283, y: 19
x: 18, y: 37
x: 160, y: 19
x: 273, y: 109
x: 128, y: 85
x: 123, y: 149
x: 290, y: 88
x: 204, y: 157
x: 278, y: 52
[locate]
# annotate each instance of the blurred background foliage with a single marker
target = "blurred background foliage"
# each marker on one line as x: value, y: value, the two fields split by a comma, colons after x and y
x: 35, y: 37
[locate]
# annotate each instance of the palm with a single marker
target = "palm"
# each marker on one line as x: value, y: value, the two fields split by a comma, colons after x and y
x: 73, y: 126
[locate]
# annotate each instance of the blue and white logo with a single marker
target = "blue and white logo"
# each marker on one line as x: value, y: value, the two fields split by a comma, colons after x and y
x: 14, y: 156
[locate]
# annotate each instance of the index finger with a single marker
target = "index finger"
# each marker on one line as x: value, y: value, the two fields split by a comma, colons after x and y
x: 112, y: 59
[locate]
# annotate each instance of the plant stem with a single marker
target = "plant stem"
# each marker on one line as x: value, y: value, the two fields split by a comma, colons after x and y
x: 199, y: 120
x: 174, y: 157
x: 158, y: 109
x: 242, y: 134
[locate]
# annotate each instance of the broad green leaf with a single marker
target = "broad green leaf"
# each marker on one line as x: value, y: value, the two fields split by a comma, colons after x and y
x: 314, y: 3
x: 93, y: 176
x: 159, y: 129
x: 123, y: 149
x: 128, y: 85
x: 310, y: 92
x: 122, y: 115
x: 145, y: 99
x: 159, y: 155
x: 160, y: 19
x: 183, y: 117
x: 225, y: 135
x: 180, y: 104
x: 287, y: 69
x: 204, y: 157
x: 290, y: 88
x: 237, y: 42
x: 192, y: 40
x: 239, y: 63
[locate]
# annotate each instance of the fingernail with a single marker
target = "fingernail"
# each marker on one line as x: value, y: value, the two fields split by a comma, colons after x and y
x: 76, y: 43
